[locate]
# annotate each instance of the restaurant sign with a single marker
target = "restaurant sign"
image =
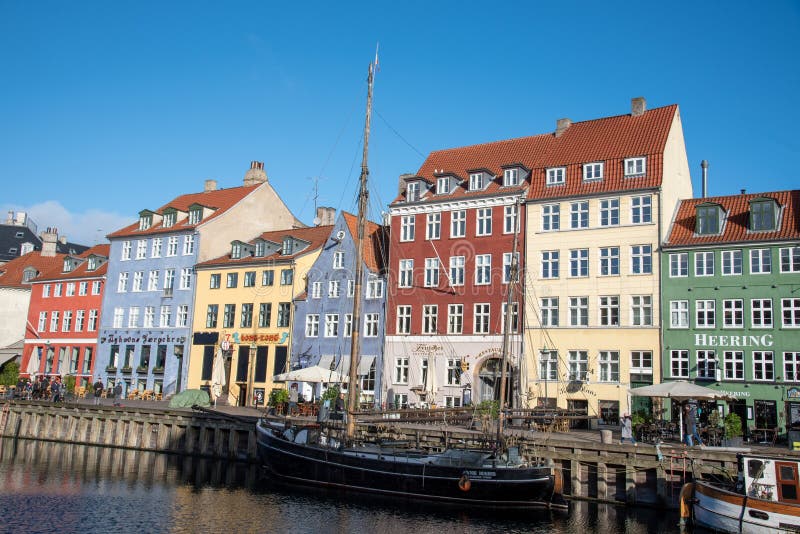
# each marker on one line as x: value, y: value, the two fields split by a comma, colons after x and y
x: 715, y: 340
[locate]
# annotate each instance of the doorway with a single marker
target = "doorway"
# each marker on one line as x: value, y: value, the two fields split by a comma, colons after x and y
x: 489, y: 381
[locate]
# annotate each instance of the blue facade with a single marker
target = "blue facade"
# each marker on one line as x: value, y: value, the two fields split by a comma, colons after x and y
x: 320, y: 330
x: 145, y: 326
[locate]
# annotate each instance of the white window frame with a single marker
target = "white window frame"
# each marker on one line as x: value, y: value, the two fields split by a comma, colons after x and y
x: 641, y: 310
x: 510, y: 177
x: 457, y: 270
x: 405, y: 273
x: 579, y: 215
x: 635, y: 166
x: 642, y: 209
x: 730, y: 265
x: 403, y: 319
x: 555, y: 175
x: 458, y: 223
x: 791, y: 366
x: 156, y: 247
x: 483, y: 222
x: 141, y: 249
x: 126, y: 251
x: 483, y: 269
x: 407, y: 223
x: 641, y: 259
x: 430, y: 318
x: 188, y: 244
x: 551, y: 217
x: 705, y: 313
x: 704, y: 263
x: 331, y: 325
x: 550, y: 264
x: 433, y: 226
x: 371, y: 324
x: 790, y: 312
x: 733, y: 313
x: 312, y: 325
x: 609, y: 212
x: 579, y: 263
x: 338, y: 259
x: 455, y: 319
x: 579, y: 311
x: 679, y: 314
x: 790, y: 259
x: 316, y: 290
x: 760, y: 261
x: 706, y: 364
x: 593, y: 171
x: 431, y: 272
x: 172, y: 246
x: 608, y: 310
x: 608, y: 366
x: 761, y: 314
x: 679, y: 363
x: 549, y: 311
x: 763, y: 364
x: 733, y: 365
x: 679, y: 265
x: 481, y: 318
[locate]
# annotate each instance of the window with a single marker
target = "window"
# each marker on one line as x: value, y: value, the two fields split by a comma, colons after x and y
x: 431, y: 272
x: 430, y: 313
x: 548, y: 365
x: 579, y: 215
x: 704, y: 264
x: 475, y: 181
x: 348, y: 325
x: 483, y: 269
x: 679, y: 265
x: 145, y: 221
x: 549, y: 264
x: 267, y: 278
x: 183, y: 316
x: 351, y: 288
x: 71, y: 287
x: 708, y: 220
x: 556, y: 175
x: 165, y: 317
x: 483, y: 223
x: 763, y: 365
x: 228, y: 315
x: 732, y: 313
x: 733, y: 365
x: 791, y: 312
x: 609, y: 212
x: 679, y: 314
x: 250, y: 279
x: 579, y: 262
x: 406, y: 272
x: 578, y: 361
x: 371, y: 325
x: 641, y: 365
x: 46, y: 291
x: 706, y: 364
x: 133, y: 317
x: 762, y: 215
x: 412, y: 191
x: 316, y: 290
x: 635, y: 166
x: 83, y: 288
x: 510, y: 177
x: 705, y: 313
x: 679, y: 363
x: 264, y: 314
x: 195, y: 215
x: 141, y: 249
x: 122, y: 284
x: 155, y: 250
x: 96, y: 287
x: 338, y: 259
x: 443, y: 185
x: 42, y: 322
x: 641, y: 259
x: 791, y: 366
x: 283, y: 314
x: 401, y: 370
x: 149, y: 316
x: 641, y: 209
x: 514, y: 317
x: 334, y: 289
x: 186, y: 278
x: 641, y: 310
x: 453, y: 372
x: 246, y: 319
x: 66, y: 324
x: 54, y: 317
x: 261, y: 248
x: 609, y: 366
x: 92, y: 321
x: 172, y: 246
x: 592, y: 171
x: 551, y: 217
x: 433, y: 228
x: 455, y: 318
x: 507, y: 261
x: 236, y: 250
x: 407, y: 228
x: 169, y: 280
x: 169, y: 219
x: 731, y: 262
x: 404, y: 319
x: 126, y: 250
x: 579, y: 311
x: 609, y: 310
x: 760, y: 261
x: 312, y: 325
x: 481, y: 319
x: 287, y: 277
x: 761, y: 313
x: 549, y: 311
x: 458, y: 223
x: 331, y: 325
x: 80, y: 319
x: 374, y: 288
x: 57, y: 287
x: 790, y: 260
x: 212, y: 313
x: 214, y: 280
x: 457, y: 270
x: 188, y: 245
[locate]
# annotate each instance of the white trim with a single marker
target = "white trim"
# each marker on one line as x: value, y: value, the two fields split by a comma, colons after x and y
x: 454, y: 205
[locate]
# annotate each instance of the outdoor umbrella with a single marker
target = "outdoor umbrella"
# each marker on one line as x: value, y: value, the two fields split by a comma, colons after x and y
x: 33, y: 364
x: 315, y: 374
x: 430, y: 382
x: 63, y: 365
x: 218, y: 375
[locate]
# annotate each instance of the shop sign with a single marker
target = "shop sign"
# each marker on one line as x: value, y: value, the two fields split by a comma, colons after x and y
x: 714, y: 340
x: 427, y: 349
x: 793, y: 393
x: 236, y: 337
x: 735, y: 393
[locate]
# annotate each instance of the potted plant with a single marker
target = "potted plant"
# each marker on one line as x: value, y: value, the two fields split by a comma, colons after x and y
x: 278, y: 398
x: 733, y: 430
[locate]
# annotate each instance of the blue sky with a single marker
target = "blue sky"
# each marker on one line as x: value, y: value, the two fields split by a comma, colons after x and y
x: 108, y: 108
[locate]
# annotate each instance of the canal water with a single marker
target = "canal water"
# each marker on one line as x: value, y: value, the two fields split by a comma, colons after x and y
x: 56, y: 488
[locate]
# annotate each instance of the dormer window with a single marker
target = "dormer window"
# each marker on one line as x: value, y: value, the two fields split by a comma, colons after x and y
x: 635, y: 166
x: 67, y: 265
x: 236, y: 251
x: 443, y: 185
x: 91, y: 265
x: 26, y: 248
x: 412, y: 191
x: 260, y: 248
x: 286, y: 249
x: 19, y: 235
x: 709, y: 219
x: 763, y: 215
x: 476, y: 181
x: 555, y: 175
x: 511, y: 177
x: 195, y: 215
x: 29, y: 274
x: 169, y: 219
x: 593, y: 171
x: 145, y: 222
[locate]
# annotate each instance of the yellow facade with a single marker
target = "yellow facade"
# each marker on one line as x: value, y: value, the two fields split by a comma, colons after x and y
x: 254, y: 350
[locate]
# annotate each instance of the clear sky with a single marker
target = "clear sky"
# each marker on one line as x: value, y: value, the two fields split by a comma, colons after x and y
x: 108, y: 108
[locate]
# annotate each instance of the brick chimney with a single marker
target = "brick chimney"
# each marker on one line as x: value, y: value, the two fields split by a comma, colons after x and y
x: 211, y: 185
x: 256, y: 174
x: 326, y: 216
x: 638, y: 106
x: 49, y: 238
x: 562, y: 125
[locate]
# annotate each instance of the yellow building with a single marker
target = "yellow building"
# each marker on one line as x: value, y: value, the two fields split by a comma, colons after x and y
x: 243, y: 308
x: 599, y: 207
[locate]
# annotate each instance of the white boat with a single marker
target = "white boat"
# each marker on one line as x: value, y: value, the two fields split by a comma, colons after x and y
x: 764, y: 499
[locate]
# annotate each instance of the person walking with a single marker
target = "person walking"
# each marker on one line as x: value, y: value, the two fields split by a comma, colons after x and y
x: 98, y: 390
x: 626, y: 426
x: 690, y: 434
x: 118, y: 394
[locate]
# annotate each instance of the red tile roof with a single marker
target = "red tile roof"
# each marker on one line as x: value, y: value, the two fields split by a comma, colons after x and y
x: 220, y: 200
x: 81, y: 271
x: 11, y: 273
x: 376, y: 242
x: 609, y: 139
x: 735, y: 227
x: 316, y: 236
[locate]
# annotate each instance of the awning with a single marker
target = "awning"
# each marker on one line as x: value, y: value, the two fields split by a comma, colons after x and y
x: 6, y: 357
x: 364, y: 363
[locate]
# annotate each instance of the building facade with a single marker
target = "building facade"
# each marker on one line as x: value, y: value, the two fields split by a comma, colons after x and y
x: 244, y: 307
x: 731, y: 303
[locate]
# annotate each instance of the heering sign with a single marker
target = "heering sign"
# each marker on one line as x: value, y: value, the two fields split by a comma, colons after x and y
x: 713, y: 340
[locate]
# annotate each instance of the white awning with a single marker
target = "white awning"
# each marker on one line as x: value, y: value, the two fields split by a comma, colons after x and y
x: 364, y: 363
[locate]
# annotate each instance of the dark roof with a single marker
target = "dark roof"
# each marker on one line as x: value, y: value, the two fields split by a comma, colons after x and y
x: 13, y: 236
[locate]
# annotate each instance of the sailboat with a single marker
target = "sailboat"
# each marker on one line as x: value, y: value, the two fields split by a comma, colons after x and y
x: 321, y: 455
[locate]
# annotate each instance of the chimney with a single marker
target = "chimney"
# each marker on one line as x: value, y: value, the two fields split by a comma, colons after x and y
x: 325, y: 216
x: 401, y: 183
x: 562, y: 125
x: 211, y: 185
x: 49, y: 238
x: 62, y: 240
x: 638, y: 106
x: 10, y: 219
x: 704, y: 166
x: 256, y: 174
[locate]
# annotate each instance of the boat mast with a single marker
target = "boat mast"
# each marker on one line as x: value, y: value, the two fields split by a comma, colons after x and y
x: 363, y: 197
x: 512, y: 281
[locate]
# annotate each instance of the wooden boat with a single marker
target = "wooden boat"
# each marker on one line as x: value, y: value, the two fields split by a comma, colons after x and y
x: 764, y: 499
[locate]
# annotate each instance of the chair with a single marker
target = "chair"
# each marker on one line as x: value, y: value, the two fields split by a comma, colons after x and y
x: 158, y: 396
x: 80, y: 392
x: 147, y: 394
x: 133, y: 394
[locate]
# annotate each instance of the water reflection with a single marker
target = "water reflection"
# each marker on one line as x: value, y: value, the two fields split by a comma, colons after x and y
x: 92, y: 489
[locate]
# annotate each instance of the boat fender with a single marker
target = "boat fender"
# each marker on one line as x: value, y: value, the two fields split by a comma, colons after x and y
x: 464, y: 483
x: 686, y: 499
x: 558, y: 482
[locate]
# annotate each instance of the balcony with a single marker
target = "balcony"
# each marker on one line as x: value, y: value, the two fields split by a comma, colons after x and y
x: 127, y: 370
x: 111, y: 369
x: 158, y: 370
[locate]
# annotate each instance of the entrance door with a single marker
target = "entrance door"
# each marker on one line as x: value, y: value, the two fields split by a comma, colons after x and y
x: 489, y: 381
x: 581, y: 408
x: 739, y: 407
x: 766, y: 414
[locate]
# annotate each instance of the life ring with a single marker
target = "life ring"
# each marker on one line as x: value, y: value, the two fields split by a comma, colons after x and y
x: 464, y: 483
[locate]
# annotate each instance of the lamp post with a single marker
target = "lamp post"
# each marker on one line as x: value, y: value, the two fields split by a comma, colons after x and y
x: 179, y: 355
x: 545, y: 360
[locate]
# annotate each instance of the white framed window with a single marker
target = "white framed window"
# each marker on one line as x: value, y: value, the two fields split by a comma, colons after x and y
x: 316, y: 290
x: 351, y: 288
x: 483, y: 222
x: 510, y: 219
x: 733, y: 365
x: 46, y: 291
x: 119, y: 315
x: 133, y: 317
x: 510, y: 177
x: 641, y: 209
x: 443, y: 185
x: 641, y: 363
x: 763, y: 365
x: 731, y: 262
x: 172, y: 246
x: 549, y: 311
x: 458, y: 223
x: 609, y: 261
x: 334, y: 289
x: 188, y: 244
x: 679, y: 314
x: 348, y: 325
x: 168, y: 219
x: 371, y: 325
x: 312, y: 325
x: 457, y: 268
x: 704, y: 263
x: 706, y: 364
x: 141, y: 249
x: 609, y: 212
x: 66, y: 324
x: 641, y: 310
x: 760, y: 261
x: 169, y: 279
x: 433, y: 227
x: 579, y: 262
x: 609, y: 310
x: 732, y: 313
x: 165, y: 317
x: 80, y: 319
x: 126, y: 251
x: 186, y: 278
x: 374, y: 288
x: 407, y: 228
x: 790, y: 309
x: 556, y: 175
x: 705, y: 313
x: 551, y: 217
x: 96, y: 287
x: 641, y: 259
x: 331, y: 325
x: 42, y: 321
x: 71, y: 288
x: 608, y: 362
x: 401, y: 370
x: 578, y: 362
x: 138, y: 281
x: 579, y: 311
x: 593, y: 171
x: 406, y: 273
x: 152, y: 281
x: 145, y: 221
x: 791, y: 366
x: 431, y: 272
x: 679, y: 265
x: 483, y: 269
x: 507, y: 264
x: 481, y: 319
x: 122, y: 283
x: 548, y: 365
x: 83, y: 288
x: 195, y: 216
x: 55, y: 316
x: 579, y: 215
x: 57, y: 287
x: 455, y: 319
x: 452, y: 401
x: 430, y: 315
x: 476, y: 181
x: 635, y: 166
x: 338, y: 259
x: 412, y: 191
x: 155, y: 249
x: 790, y: 259
x: 92, y: 327
x: 514, y: 317
x: 679, y: 363
x: 404, y: 319
x: 550, y: 263
x: 761, y: 313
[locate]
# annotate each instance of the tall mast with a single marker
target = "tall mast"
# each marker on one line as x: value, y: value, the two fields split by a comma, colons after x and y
x: 363, y: 197
x: 512, y: 282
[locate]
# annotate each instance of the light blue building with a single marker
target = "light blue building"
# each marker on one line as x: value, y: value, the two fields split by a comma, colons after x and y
x: 323, y: 315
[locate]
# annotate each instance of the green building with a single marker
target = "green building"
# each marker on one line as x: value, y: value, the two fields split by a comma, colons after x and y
x: 731, y: 305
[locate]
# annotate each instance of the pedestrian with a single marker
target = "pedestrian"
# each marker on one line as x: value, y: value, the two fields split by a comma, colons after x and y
x: 293, y: 399
x: 118, y: 394
x: 690, y: 434
x: 98, y: 390
x: 626, y: 429
x: 55, y: 389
